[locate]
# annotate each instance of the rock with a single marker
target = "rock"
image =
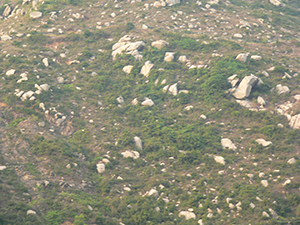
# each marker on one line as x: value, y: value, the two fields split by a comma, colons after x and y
x: 26, y: 95
x: 127, y: 69
x: 120, y: 99
x: 100, y: 167
x: 245, y: 87
x: 60, y: 80
x: 5, y: 37
x: 219, y: 159
x: 263, y: 142
x: 41, y: 124
x: 276, y: 2
x: 227, y: 143
x: 282, y: 89
x: 134, y: 101
x: 264, y: 183
x: 240, y: 36
x: 182, y: 58
x: 153, y: 192
x: 210, y: 215
x: 6, y: 11
x: 295, y: 122
x: 265, y: 214
x: 138, y: 142
x: 288, y: 181
x: 45, y: 61
x: 256, y: 57
x: 147, y: 102
x: 242, y: 57
x: 157, y: 4
x: 273, y: 213
x: 105, y: 160
x: 233, y: 80
x: 231, y: 206
x: 144, y: 27
x: 173, y: 89
x: 10, y: 72
x: 2, y: 168
x: 252, y: 205
x: 146, y: 68
x: 36, y: 15
x: 291, y: 161
x: 188, y: 108
x: 159, y: 44
x: 90, y: 208
x: 30, y: 212
x: 131, y: 154
x: 169, y: 56
x: 202, y: 116
x: 187, y: 214
x: 261, y: 101
x: 45, y: 87
x: 60, y: 120
x: 200, y: 222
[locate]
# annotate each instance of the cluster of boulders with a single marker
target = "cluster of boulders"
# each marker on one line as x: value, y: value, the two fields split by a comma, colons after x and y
x: 126, y: 45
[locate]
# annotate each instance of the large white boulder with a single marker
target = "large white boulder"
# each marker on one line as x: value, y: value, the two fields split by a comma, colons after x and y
x: 147, y: 102
x: 245, y: 87
x: 10, y: 72
x: 282, y: 89
x: 227, y: 143
x: 263, y: 142
x: 187, y: 214
x: 30, y: 212
x: 146, y: 68
x: 219, y: 159
x: 291, y: 161
x: 173, y: 89
x: 169, y: 56
x: 5, y: 37
x: 127, y: 69
x: 138, y: 142
x: 153, y: 192
x: 242, y: 57
x: 131, y: 154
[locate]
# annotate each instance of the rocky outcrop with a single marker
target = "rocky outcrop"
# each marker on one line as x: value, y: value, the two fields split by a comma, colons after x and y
x: 282, y: 89
x: 295, y: 122
x: 245, y: 87
x: 131, y: 154
x: 138, y: 142
x: 227, y: 143
x: 187, y: 214
x: 276, y: 2
x: 124, y: 45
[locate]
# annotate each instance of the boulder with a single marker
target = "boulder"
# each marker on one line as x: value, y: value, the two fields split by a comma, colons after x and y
x: 45, y: 87
x: 265, y: 214
x: 36, y: 15
x: 242, y: 57
x: 240, y: 36
x: 173, y: 89
x: 256, y: 57
x: 282, y: 89
x: 146, y: 68
x: 273, y: 213
x: 100, y: 167
x: 227, y: 143
x: 276, y: 2
x: 30, y: 212
x: 127, y: 69
x: 245, y: 87
x: 264, y: 183
x: 147, y: 102
x: 2, y: 168
x: 138, y: 142
x: 233, y: 80
x: 159, y: 44
x: 10, y: 72
x: 5, y: 37
x: 219, y: 159
x: 124, y: 45
x: 252, y: 205
x: 291, y: 161
x: 172, y: 2
x: 46, y: 62
x: 261, y: 101
x: 60, y: 80
x: 169, y: 56
x: 131, y: 154
x: 134, y: 101
x: 182, y: 58
x: 295, y: 122
x: 6, y: 11
x: 120, y: 99
x: 153, y: 192
x: 187, y: 214
x: 263, y: 142
x: 26, y: 95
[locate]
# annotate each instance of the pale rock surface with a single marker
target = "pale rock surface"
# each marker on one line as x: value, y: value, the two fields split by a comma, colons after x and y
x: 10, y: 72
x: 256, y: 57
x: 263, y: 142
x: 172, y: 2
x: 6, y: 11
x: 127, y: 69
x: 264, y: 183
x: 282, y: 89
x: 227, y: 143
x: 153, y: 192
x: 5, y: 37
x: 134, y: 102
x: 187, y: 214
x: 291, y: 161
x: 242, y: 57
x: 182, y: 58
x: 252, y: 205
x: 237, y: 35
x: 169, y: 56
x: 288, y: 181
x: 36, y: 15
x: 233, y: 80
x: 2, y: 168
x: 120, y: 99
x: 188, y: 108
x: 295, y: 122
x: 159, y: 44
x: 46, y: 62
x: 146, y: 68
x: 45, y: 87
x: 30, y: 212
x: 219, y: 159
x: 173, y: 89
x: 26, y: 95
x: 138, y: 142
x: 276, y: 2
x: 60, y: 80
x: 261, y: 101
x: 245, y: 87
x: 100, y: 167
x: 131, y: 154
x: 147, y: 102
x: 273, y: 213
x: 265, y: 214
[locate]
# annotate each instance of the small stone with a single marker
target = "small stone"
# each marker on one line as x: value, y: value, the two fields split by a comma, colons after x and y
x: 10, y: 72
x: 100, y: 167
x: 30, y: 212
x: 36, y: 15
x: 291, y: 161
x: 265, y: 183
